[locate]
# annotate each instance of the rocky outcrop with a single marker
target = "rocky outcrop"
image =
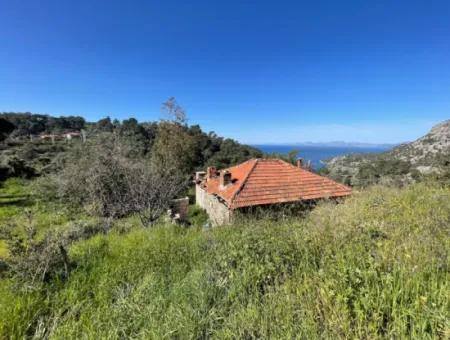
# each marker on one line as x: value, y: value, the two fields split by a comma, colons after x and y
x: 427, y: 156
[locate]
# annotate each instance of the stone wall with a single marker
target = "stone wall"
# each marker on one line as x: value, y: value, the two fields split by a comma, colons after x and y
x: 217, y: 211
x: 179, y: 209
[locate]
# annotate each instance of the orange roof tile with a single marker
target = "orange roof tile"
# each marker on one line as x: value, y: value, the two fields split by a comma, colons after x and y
x: 269, y: 181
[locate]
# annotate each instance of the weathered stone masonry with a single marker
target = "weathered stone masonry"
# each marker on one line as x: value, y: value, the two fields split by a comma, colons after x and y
x: 217, y: 211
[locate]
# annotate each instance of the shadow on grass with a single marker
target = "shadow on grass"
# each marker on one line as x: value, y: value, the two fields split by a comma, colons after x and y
x: 22, y: 196
x: 21, y: 201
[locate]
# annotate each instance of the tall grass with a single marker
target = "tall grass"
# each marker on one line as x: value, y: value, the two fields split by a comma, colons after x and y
x: 375, y: 266
x: 17, y: 203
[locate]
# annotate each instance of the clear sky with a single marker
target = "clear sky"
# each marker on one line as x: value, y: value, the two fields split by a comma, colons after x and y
x: 258, y: 71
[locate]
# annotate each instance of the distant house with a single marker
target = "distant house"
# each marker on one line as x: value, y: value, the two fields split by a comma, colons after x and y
x: 70, y: 135
x: 260, y: 182
x: 47, y: 136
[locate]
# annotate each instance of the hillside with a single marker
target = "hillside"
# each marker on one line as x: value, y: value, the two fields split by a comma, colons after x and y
x: 428, y: 156
x: 373, y: 267
x: 87, y: 249
x: 35, y: 144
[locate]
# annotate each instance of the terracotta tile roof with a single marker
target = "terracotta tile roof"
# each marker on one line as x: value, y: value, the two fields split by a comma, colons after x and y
x: 269, y: 181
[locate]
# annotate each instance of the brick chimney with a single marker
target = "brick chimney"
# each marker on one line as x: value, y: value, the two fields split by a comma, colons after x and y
x: 199, y: 176
x: 300, y: 162
x: 225, y: 178
x: 211, y: 172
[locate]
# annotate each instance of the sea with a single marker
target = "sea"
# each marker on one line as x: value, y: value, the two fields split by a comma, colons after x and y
x: 318, y: 154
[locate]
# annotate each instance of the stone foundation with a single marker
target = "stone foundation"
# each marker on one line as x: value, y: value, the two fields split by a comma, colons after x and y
x: 217, y: 211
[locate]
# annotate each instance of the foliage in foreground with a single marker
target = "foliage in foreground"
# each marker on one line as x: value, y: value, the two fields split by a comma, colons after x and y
x: 99, y: 178
x: 375, y: 266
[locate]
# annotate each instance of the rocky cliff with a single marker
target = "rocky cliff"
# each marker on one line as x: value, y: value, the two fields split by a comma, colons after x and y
x: 427, y: 156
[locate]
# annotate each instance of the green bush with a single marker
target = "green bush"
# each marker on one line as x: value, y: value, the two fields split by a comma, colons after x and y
x: 197, y: 216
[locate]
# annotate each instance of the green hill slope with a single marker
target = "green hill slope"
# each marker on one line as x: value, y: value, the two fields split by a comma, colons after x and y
x: 23, y: 153
x: 375, y: 266
x: 429, y: 156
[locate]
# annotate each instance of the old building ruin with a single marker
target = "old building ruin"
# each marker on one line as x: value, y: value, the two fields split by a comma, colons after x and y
x: 260, y: 182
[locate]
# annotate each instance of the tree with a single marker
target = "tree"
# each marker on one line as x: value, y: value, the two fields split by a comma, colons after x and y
x: 93, y: 177
x: 171, y: 144
x: 6, y: 128
x: 231, y: 152
x: 111, y: 185
x: 134, y: 141
x: 290, y: 157
x: 28, y: 123
x: 173, y: 150
x: 150, y: 192
x: 104, y: 125
x: 173, y: 111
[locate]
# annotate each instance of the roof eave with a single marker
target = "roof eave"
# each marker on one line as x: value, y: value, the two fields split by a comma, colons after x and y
x: 245, y: 205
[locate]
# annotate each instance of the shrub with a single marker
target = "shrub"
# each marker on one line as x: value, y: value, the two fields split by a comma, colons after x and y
x: 110, y: 185
x: 197, y: 216
x: 34, y: 261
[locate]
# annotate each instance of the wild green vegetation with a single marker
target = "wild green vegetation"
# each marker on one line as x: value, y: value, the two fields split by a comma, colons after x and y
x: 86, y: 250
x: 375, y: 266
x: 426, y: 158
x: 23, y: 153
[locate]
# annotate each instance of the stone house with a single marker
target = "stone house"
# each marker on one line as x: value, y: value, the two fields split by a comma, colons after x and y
x: 68, y: 136
x: 260, y: 182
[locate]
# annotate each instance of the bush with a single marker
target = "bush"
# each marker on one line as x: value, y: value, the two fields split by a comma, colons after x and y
x: 110, y: 185
x: 34, y: 261
x: 197, y: 216
x: 15, y: 167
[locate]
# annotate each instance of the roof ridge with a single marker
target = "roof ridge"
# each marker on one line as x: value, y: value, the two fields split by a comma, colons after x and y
x: 290, y: 164
x: 243, y: 181
x: 324, y: 178
x: 239, y: 165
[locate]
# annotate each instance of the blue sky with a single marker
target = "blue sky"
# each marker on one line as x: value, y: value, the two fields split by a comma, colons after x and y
x: 258, y: 71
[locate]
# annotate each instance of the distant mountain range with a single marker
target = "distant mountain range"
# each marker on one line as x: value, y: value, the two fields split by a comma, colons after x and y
x: 407, y: 162
x: 347, y: 144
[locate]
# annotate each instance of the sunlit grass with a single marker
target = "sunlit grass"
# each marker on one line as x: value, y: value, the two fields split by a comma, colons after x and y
x: 375, y: 266
x: 18, y: 204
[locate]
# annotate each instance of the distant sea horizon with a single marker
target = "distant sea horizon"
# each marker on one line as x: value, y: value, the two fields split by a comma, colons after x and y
x: 318, y: 153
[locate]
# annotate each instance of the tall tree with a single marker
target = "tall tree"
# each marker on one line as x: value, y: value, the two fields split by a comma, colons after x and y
x: 174, y: 146
x: 173, y: 111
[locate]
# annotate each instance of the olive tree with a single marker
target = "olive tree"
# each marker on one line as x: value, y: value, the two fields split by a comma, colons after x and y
x: 106, y: 183
x: 150, y: 192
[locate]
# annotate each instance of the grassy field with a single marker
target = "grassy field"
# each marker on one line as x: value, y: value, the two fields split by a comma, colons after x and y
x: 375, y: 266
x: 16, y: 202
x: 14, y: 199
